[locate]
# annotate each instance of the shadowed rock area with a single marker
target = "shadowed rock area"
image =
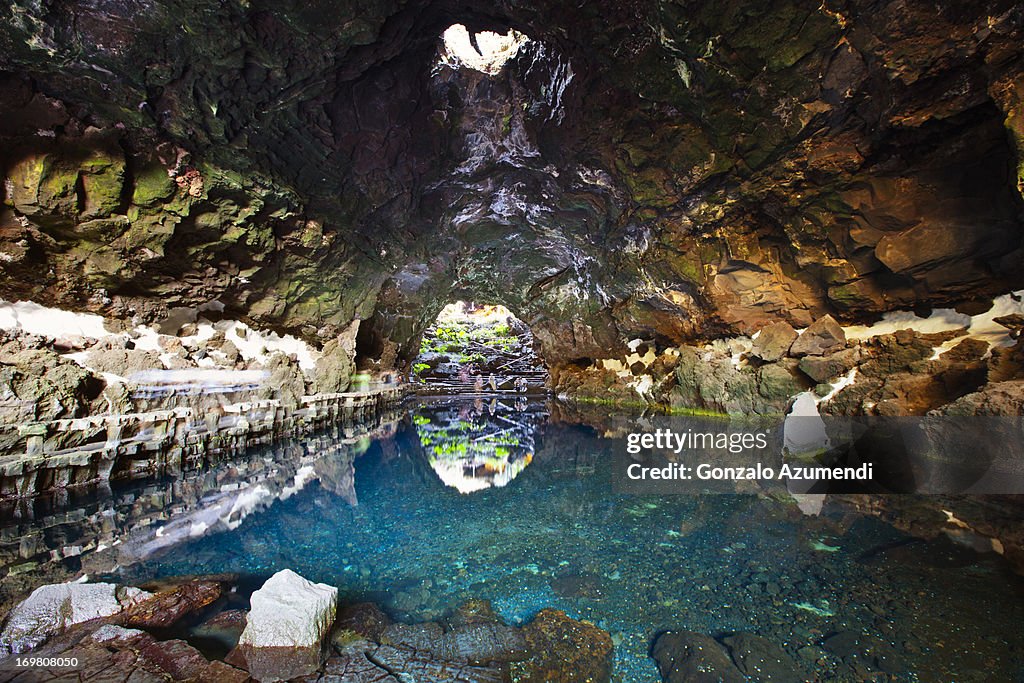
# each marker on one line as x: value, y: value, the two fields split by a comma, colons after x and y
x: 667, y: 171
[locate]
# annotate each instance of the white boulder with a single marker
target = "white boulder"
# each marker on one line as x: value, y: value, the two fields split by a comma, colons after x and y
x: 53, y: 608
x: 286, y: 626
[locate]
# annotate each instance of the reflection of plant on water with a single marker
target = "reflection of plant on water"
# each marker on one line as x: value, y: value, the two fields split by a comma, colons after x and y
x: 478, y: 445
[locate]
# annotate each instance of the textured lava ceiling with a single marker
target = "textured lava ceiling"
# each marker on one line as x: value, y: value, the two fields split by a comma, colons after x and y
x: 669, y: 170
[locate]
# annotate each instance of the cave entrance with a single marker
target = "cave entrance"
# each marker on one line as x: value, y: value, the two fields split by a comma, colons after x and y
x: 478, y: 349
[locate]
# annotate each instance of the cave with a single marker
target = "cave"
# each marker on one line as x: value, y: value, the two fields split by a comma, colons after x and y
x: 478, y: 349
x: 333, y: 334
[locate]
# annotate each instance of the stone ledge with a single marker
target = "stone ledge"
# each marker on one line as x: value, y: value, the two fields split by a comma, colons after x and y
x: 84, y: 451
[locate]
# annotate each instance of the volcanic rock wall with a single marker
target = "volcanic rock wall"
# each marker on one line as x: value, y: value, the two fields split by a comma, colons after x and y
x: 673, y: 171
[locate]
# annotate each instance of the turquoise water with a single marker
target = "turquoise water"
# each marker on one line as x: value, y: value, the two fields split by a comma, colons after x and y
x: 541, y: 526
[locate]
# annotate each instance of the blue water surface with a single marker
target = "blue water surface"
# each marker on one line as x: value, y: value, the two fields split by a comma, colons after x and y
x: 500, y: 502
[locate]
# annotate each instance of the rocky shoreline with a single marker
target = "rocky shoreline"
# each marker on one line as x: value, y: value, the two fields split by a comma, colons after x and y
x: 87, y: 451
x: 294, y: 630
x: 205, y: 629
x: 81, y: 404
x: 953, y: 365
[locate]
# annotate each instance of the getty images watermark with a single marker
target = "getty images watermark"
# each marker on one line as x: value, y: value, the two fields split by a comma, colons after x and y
x: 933, y: 455
x: 667, y: 440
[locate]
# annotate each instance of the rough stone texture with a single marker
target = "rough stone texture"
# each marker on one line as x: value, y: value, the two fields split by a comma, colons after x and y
x: 286, y: 626
x: 774, y: 341
x: 471, y: 646
x: 121, y: 655
x: 564, y: 649
x: 896, y: 375
x: 224, y: 628
x: 54, y: 608
x: 38, y: 384
x: 688, y: 657
x: 999, y: 398
x: 168, y: 606
x: 335, y: 367
x: 761, y: 659
x: 655, y: 170
x: 829, y: 367
x: 285, y: 381
x: 74, y: 453
x: 473, y: 643
x: 386, y: 664
x: 365, y: 619
x: 822, y: 337
x: 710, y: 381
x: 123, y: 362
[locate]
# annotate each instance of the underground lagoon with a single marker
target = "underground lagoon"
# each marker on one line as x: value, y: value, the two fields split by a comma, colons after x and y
x: 389, y: 341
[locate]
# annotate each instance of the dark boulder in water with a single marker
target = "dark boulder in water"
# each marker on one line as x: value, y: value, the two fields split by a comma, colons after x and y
x: 688, y: 657
x: 761, y: 659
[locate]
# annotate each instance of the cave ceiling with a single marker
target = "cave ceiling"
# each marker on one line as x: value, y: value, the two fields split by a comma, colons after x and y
x: 669, y: 171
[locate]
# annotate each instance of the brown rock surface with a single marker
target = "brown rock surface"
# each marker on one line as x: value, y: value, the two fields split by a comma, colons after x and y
x: 564, y: 649
x: 774, y: 341
x: 822, y: 337
x: 106, y: 652
x: 170, y: 605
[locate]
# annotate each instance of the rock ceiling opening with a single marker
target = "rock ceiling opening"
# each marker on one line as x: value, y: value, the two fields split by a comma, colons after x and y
x: 485, y: 51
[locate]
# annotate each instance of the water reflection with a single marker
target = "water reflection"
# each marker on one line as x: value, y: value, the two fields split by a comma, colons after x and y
x: 61, y: 536
x: 479, y: 445
x: 381, y: 514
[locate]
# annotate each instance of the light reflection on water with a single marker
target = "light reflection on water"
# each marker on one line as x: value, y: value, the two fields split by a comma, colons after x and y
x: 497, y: 501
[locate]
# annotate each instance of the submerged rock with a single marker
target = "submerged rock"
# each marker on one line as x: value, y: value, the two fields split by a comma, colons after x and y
x: 471, y: 646
x: 387, y: 664
x: 478, y: 643
x: 54, y: 608
x: 761, y: 659
x: 564, y: 649
x: 688, y: 657
x: 363, y: 619
x: 285, y: 629
x: 224, y: 628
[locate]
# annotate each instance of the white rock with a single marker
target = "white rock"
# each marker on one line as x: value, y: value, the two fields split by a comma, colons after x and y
x: 286, y: 625
x: 55, y: 607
